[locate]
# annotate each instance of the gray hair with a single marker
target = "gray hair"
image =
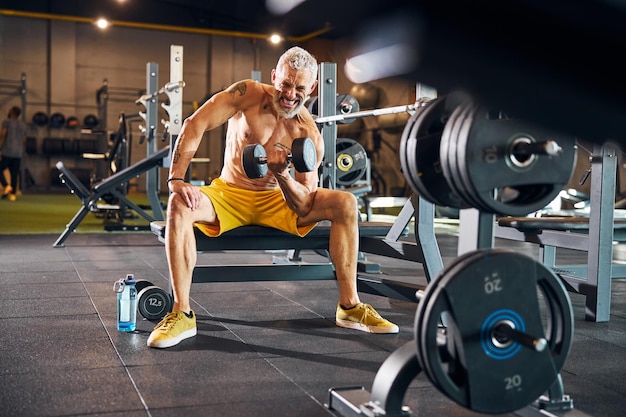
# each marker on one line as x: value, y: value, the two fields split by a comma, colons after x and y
x: 299, y: 59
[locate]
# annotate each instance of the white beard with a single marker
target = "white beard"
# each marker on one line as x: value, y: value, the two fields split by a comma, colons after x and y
x: 284, y: 114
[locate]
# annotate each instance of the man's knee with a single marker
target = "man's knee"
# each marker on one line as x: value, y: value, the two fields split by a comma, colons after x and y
x: 349, y: 204
x: 176, y: 207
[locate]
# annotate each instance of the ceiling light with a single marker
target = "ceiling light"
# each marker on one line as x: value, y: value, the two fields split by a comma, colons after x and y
x: 102, y: 23
x: 276, y: 39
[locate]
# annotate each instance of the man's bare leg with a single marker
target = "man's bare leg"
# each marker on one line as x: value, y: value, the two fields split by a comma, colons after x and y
x: 341, y: 209
x: 181, y: 251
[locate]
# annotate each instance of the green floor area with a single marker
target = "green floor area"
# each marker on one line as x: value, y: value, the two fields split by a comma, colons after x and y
x: 49, y: 213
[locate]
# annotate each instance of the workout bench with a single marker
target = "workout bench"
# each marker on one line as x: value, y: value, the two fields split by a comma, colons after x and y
x: 375, y: 237
x: 90, y: 199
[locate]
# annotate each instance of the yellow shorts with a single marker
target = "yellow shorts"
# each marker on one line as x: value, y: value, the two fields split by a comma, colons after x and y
x: 236, y: 207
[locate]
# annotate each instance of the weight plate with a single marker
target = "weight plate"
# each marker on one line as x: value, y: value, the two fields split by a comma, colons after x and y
x: 407, y: 149
x: 426, y: 163
x: 303, y: 154
x: 153, y: 303
x: 503, y: 181
x: 469, y: 364
x: 351, y: 161
x: 413, y: 157
x: 448, y: 152
x: 462, y: 178
x: 250, y: 161
x: 346, y: 104
x: 40, y: 119
x: 420, y: 325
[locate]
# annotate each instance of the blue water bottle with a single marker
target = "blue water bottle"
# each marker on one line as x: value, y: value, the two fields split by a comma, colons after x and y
x: 126, y: 303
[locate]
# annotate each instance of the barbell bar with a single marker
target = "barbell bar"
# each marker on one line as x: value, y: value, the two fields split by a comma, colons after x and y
x: 408, y: 108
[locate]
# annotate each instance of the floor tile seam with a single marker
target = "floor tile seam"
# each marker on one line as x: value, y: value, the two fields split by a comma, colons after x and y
x: 296, y: 302
x: 65, y: 369
x: 111, y: 341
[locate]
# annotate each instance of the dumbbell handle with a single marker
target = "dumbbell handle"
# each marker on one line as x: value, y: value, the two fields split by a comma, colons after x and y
x: 263, y: 159
x: 503, y: 330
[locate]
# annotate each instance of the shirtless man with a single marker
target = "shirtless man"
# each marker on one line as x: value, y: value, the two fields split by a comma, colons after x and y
x: 269, y: 115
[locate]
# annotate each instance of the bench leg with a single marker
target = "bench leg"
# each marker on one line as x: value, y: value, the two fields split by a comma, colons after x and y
x: 78, y: 217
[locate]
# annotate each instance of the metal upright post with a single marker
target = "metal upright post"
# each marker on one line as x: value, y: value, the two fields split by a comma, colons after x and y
x: 327, y: 98
x: 152, y: 175
x: 175, y: 107
x: 23, y: 95
x: 601, y: 218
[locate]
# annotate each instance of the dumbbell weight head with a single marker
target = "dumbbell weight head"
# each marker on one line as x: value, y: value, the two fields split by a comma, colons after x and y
x: 254, y: 161
x: 153, y: 302
x: 303, y: 154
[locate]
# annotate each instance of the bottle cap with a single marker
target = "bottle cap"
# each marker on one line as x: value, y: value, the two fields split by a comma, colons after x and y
x: 130, y: 279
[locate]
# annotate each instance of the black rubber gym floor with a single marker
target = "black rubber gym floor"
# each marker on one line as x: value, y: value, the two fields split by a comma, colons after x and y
x: 262, y: 349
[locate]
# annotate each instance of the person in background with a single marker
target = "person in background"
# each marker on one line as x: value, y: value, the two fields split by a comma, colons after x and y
x: 12, y: 140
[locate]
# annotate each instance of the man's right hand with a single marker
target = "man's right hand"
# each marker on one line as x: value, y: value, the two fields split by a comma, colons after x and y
x: 190, y: 194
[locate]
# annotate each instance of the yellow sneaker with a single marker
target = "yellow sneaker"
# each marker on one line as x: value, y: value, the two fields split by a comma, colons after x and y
x: 7, y: 190
x: 363, y: 317
x: 174, y: 328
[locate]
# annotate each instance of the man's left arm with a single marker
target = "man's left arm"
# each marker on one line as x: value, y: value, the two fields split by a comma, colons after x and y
x: 299, y: 189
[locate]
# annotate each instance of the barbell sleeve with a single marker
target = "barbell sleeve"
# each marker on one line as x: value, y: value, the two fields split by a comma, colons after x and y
x: 505, y: 331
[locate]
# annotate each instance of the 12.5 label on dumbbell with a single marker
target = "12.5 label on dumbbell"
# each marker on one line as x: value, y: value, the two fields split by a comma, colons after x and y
x: 302, y: 155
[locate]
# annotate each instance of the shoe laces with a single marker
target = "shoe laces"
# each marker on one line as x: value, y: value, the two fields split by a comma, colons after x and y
x: 169, y: 320
x: 369, y: 310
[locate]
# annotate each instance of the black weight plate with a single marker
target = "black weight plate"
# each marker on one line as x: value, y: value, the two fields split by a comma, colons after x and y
x: 303, y: 154
x: 311, y: 105
x: 40, y: 119
x: 420, y: 326
x: 351, y: 161
x: 462, y: 177
x: 412, y: 157
x: 486, y: 286
x: 407, y: 150
x: 250, y: 161
x: 153, y: 303
x: 503, y: 185
x: 428, y: 131
x: 448, y: 152
x: 57, y: 120
x: 346, y: 104
x: 90, y: 121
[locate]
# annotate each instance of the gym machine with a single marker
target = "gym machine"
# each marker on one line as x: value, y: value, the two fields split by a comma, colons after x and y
x: 150, y: 165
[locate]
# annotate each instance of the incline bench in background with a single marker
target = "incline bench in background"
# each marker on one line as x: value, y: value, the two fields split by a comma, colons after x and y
x: 90, y: 199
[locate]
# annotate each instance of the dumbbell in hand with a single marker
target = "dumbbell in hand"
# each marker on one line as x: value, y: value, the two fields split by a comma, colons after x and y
x: 303, y: 156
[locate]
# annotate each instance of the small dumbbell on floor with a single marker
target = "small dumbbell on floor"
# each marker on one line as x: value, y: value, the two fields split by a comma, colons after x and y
x: 152, y: 301
x: 303, y: 156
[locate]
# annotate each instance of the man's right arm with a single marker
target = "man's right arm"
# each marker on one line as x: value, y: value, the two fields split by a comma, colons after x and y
x: 213, y: 113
